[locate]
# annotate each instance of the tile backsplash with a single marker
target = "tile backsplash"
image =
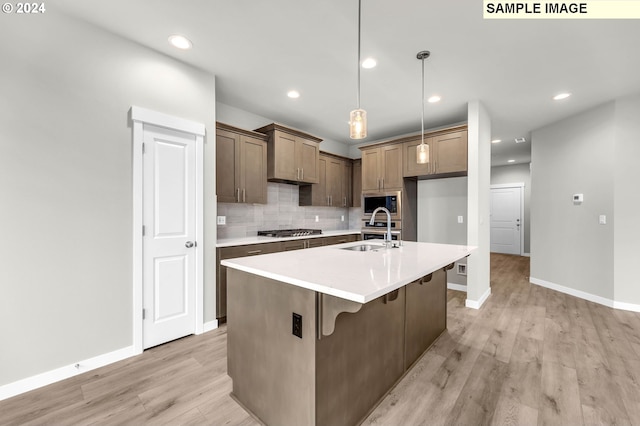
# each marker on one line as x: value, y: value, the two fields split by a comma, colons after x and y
x: 282, y: 212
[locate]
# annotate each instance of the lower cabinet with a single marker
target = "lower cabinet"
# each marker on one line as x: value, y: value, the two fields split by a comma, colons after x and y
x: 426, y: 314
x: 264, y: 248
x: 360, y: 361
x: 335, y: 378
x: 221, y: 272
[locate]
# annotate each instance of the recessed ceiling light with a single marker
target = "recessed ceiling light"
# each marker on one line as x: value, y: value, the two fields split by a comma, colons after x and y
x: 561, y: 96
x: 294, y: 94
x: 434, y: 99
x: 511, y: 161
x: 181, y: 42
x: 496, y: 141
x: 369, y: 63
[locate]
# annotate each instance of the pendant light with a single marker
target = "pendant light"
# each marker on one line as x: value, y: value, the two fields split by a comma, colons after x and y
x: 422, y: 150
x: 358, y: 117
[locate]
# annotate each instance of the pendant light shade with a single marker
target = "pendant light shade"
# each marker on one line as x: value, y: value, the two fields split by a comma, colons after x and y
x: 422, y: 150
x: 358, y: 124
x: 358, y: 117
x: 422, y: 154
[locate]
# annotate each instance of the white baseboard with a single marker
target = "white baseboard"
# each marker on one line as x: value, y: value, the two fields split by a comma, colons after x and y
x: 626, y: 306
x: 30, y: 383
x: 457, y: 287
x: 526, y: 254
x: 208, y: 326
x: 586, y: 296
x: 476, y: 304
x: 43, y: 379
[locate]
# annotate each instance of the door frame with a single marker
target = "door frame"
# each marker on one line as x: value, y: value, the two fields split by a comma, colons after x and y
x: 521, y: 186
x: 139, y: 117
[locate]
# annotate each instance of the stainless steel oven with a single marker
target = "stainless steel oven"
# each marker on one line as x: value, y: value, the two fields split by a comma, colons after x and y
x: 391, y: 200
x: 379, y: 228
x: 378, y: 234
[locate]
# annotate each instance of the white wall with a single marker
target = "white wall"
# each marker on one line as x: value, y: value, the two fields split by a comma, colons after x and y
x: 568, y: 246
x: 440, y: 202
x: 65, y: 181
x: 517, y: 173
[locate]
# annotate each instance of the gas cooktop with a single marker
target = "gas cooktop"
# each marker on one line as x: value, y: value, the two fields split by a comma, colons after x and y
x: 289, y: 232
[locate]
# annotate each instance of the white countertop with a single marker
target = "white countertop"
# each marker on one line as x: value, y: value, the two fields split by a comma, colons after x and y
x: 358, y: 276
x: 230, y: 242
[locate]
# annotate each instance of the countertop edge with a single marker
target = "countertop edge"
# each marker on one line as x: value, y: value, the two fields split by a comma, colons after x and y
x: 246, y: 241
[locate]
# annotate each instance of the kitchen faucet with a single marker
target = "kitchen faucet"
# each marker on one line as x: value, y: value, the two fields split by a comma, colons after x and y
x: 387, y: 237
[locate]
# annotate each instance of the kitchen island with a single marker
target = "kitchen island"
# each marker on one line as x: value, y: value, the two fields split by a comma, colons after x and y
x: 319, y: 336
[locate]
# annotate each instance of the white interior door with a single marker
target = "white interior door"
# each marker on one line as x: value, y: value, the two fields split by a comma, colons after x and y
x: 506, y: 220
x: 169, y: 245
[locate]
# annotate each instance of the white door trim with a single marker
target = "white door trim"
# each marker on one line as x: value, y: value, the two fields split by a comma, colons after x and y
x: 516, y: 185
x: 140, y: 117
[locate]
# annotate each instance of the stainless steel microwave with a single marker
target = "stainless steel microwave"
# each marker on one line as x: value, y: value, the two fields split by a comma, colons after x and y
x: 391, y: 200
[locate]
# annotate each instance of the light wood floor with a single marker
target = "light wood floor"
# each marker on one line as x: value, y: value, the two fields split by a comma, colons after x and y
x: 529, y: 356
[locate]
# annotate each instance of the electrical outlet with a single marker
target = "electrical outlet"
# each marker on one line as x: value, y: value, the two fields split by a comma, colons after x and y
x: 317, y: 218
x: 222, y: 220
x: 460, y: 219
x: 462, y: 269
x: 296, y: 325
x: 602, y: 220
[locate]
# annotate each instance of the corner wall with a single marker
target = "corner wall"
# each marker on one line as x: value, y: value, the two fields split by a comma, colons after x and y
x: 66, y: 185
x: 626, y: 204
x: 478, y: 210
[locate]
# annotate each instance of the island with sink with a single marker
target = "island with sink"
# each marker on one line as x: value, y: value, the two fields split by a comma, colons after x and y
x: 320, y: 336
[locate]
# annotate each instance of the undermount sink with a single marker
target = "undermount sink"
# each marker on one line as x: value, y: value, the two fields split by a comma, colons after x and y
x: 363, y: 247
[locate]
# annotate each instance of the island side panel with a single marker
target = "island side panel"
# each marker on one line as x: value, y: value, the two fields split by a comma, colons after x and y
x: 273, y: 371
x: 360, y: 361
x: 426, y: 316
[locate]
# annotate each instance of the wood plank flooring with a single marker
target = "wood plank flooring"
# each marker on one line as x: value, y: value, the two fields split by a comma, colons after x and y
x: 529, y: 356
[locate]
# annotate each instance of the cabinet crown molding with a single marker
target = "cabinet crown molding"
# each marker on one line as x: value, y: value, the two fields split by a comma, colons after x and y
x: 275, y: 126
x: 251, y: 133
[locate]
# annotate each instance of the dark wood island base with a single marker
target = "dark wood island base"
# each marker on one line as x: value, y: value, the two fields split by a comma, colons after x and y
x: 349, y: 357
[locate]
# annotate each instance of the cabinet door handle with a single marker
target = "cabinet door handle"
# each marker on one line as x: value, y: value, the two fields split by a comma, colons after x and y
x: 254, y: 252
x: 344, y: 201
x: 302, y: 174
x: 244, y: 195
x: 330, y: 200
x: 238, y: 195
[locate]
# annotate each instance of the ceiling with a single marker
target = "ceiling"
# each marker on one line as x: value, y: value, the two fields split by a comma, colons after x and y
x: 259, y: 50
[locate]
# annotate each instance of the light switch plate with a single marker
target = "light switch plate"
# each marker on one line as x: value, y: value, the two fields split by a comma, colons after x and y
x: 222, y: 220
x: 460, y: 219
x: 317, y: 218
x: 602, y: 220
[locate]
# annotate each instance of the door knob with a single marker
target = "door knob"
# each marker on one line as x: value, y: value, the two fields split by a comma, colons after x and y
x: 189, y: 244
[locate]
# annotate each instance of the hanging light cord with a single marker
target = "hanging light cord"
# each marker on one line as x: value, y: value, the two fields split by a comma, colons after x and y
x: 422, y: 100
x: 359, y: 19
